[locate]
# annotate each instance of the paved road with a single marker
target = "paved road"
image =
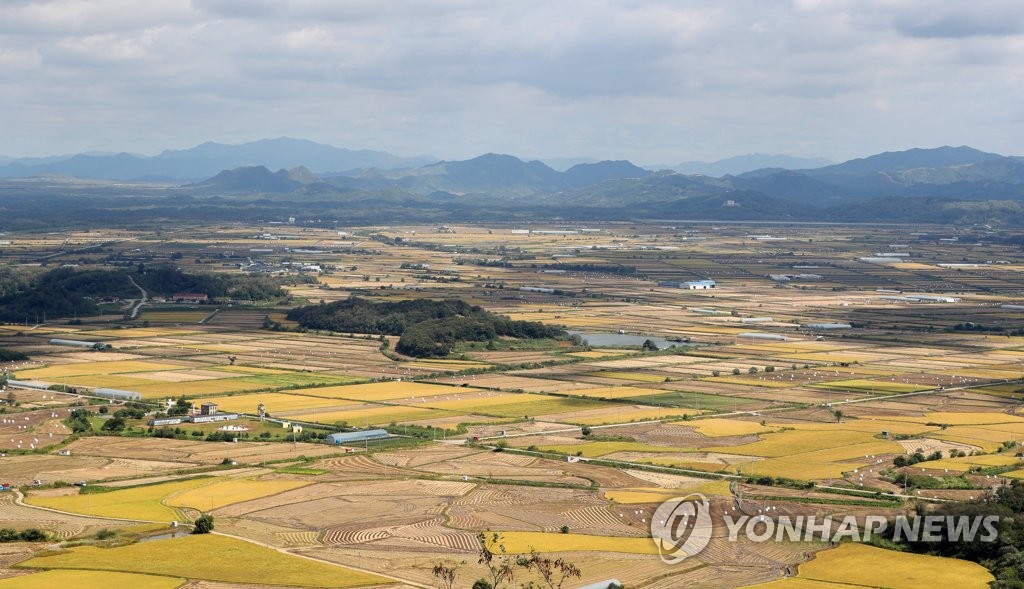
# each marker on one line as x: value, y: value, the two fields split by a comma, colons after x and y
x: 142, y: 301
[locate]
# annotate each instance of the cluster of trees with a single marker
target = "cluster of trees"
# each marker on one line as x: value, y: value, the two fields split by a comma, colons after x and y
x: 27, y: 535
x: 119, y: 420
x: 78, y: 421
x: 1004, y: 556
x: 427, y: 328
x: 66, y: 292
x: 596, y: 268
x: 11, y: 356
x: 901, y: 460
x: 979, y: 327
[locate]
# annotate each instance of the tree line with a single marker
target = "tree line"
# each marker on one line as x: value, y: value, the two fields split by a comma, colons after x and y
x: 426, y: 328
x: 67, y: 292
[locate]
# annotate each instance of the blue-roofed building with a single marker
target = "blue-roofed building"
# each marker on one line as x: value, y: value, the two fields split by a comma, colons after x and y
x: 356, y: 437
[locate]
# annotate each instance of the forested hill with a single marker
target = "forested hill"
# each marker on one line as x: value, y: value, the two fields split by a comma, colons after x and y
x: 67, y: 292
x: 427, y: 328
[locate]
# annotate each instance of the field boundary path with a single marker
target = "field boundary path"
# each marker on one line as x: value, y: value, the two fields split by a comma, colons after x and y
x: 337, y: 564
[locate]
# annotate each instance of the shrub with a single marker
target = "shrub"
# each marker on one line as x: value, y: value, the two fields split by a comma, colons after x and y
x: 203, y: 524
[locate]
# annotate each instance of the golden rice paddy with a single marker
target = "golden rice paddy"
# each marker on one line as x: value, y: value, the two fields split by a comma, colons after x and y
x: 208, y: 557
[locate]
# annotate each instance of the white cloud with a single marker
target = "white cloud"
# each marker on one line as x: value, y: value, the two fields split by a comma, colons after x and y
x: 653, y: 81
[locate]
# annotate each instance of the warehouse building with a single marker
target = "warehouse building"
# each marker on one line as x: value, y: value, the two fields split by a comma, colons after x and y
x: 356, y: 437
x: 828, y: 326
x: 117, y: 394
x: 763, y: 336
x: 692, y: 285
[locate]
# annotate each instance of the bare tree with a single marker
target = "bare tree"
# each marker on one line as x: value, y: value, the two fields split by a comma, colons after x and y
x: 500, y: 564
x: 445, y: 574
x: 554, y: 572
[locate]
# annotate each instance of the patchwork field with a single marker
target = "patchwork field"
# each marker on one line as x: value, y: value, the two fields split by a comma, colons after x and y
x: 747, y: 400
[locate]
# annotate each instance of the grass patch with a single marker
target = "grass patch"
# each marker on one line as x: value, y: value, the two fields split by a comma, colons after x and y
x: 695, y: 400
x: 301, y: 470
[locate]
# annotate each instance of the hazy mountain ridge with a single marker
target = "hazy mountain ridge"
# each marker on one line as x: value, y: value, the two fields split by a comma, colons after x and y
x: 953, y: 182
x: 208, y: 159
x: 740, y: 164
x: 946, y: 172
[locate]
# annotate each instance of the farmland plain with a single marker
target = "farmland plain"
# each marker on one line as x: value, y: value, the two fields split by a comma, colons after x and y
x: 745, y: 401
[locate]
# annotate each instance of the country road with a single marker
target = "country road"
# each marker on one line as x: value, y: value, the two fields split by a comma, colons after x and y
x: 138, y: 306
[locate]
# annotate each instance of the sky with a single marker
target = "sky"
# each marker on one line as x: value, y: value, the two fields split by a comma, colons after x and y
x: 650, y: 81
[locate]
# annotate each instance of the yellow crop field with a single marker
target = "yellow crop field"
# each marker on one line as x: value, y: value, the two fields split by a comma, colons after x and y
x: 253, y: 370
x: 447, y: 364
x: 798, y: 583
x: 625, y: 414
x: 141, y: 332
x: 614, y: 392
x: 275, y: 402
x: 175, y: 316
x: 596, y: 449
x: 659, y: 495
x: 515, y: 405
x: 787, y: 443
x: 596, y: 354
x: 751, y: 381
x: 867, y: 425
x: 717, y: 427
x: 91, y: 368
x: 208, y: 557
x: 963, y: 418
x: 966, y: 463
x: 146, y: 503
x: 683, y: 463
x: 382, y: 415
x: 874, y: 386
x: 859, y: 565
x: 230, y: 491
x: 986, y: 439
x: 521, y: 542
x: 637, y: 376
x: 821, y: 464
x: 89, y: 580
x: 198, y: 387
x: 384, y: 391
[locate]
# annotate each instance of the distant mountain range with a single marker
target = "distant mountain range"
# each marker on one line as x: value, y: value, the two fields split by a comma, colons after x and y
x: 207, y: 160
x: 944, y: 184
x: 945, y: 172
x: 740, y: 164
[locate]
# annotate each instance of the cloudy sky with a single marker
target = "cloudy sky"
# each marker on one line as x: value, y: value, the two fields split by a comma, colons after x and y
x: 649, y: 81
